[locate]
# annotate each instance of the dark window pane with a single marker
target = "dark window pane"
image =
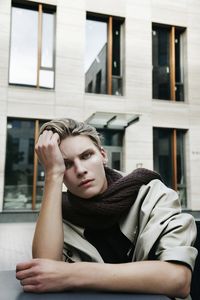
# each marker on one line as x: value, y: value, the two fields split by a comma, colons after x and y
x: 177, y: 57
x: 116, y: 85
x: 161, y: 63
x: 178, y: 70
x: 162, y: 154
x: 116, y: 57
x: 111, y: 137
x: 98, y: 83
x: 181, y: 180
x: 162, y: 88
x: 19, y: 165
x: 18, y: 190
x: 116, y: 163
x: 40, y: 180
x: 90, y: 87
x: 116, y: 49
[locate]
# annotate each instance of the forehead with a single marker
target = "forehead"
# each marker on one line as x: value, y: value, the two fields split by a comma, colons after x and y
x: 75, y: 145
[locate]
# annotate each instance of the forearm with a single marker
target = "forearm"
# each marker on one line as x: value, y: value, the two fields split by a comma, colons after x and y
x: 48, y: 237
x: 153, y: 277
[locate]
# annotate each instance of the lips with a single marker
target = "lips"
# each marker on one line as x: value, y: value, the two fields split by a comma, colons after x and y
x: 85, y: 182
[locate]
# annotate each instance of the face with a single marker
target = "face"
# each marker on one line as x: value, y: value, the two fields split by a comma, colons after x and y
x: 84, y: 174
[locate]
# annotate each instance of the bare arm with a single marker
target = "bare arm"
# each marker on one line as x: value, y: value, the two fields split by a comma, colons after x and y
x: 153, y: 277
x: 48, y: 237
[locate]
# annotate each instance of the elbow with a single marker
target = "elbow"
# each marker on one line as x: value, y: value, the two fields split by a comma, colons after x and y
x: 183, y: 282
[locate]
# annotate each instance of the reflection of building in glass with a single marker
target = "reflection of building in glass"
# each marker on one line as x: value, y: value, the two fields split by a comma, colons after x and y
x: 104, y: 40
x: 19, y: 165
x: 96, y: 75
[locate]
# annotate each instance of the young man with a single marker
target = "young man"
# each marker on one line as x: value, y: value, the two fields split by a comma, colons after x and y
x: 123, y: 233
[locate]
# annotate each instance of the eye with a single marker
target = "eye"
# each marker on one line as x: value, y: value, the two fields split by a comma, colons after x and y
x: 86, y: 155
x: 68, y: 164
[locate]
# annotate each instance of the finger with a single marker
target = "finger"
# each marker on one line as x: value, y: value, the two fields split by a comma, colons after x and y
x: 48, y: 137
x: 55, y: 137
x: 29, y: 281
x: 30, y: 289
x: 44, y: 140
x: 24, y: 265
x: 45, y: 137
x: 47, y: 132
x: 20, y: 275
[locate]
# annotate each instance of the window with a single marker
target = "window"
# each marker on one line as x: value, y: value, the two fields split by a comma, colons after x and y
x: 23, y: 175
x: 32, y: 50
x: 98, y: 82
x: 103, y: 54
x: 112, y: 140
x: 167, y: 56
x: 168, y: 154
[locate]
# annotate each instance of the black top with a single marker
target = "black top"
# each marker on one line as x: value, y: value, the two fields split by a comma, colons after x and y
x: 111, y: 243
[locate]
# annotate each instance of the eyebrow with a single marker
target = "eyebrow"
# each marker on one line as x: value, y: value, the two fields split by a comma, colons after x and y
x: 89, y: 149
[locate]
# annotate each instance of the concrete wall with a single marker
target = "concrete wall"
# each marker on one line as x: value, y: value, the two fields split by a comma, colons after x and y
x: 69, y: 99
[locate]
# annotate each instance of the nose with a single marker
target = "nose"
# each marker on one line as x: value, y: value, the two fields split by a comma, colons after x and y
x: 80, y: 169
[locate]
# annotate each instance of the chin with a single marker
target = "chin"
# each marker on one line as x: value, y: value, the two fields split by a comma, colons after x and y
x: 89, y: 194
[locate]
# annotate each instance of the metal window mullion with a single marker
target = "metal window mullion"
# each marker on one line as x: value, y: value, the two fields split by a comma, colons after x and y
x: 35, y: 166
x: 110, y: 46
x: 172, y: 65
x: 39, y: 43
x: 174, y: 159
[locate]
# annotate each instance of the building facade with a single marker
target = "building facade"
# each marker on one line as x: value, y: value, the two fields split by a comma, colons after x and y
x: 131, y: 68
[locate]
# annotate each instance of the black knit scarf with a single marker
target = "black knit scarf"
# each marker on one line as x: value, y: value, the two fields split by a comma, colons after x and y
x: 104, y: 210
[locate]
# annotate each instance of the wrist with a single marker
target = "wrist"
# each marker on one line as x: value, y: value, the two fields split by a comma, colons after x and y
x: 80, y: 279
x: 54, y: 177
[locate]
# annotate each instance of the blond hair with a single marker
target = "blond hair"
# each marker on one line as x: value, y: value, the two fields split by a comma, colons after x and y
x: 68, y: 127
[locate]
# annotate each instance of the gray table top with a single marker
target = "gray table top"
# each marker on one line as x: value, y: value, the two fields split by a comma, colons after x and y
x: 10, y: 289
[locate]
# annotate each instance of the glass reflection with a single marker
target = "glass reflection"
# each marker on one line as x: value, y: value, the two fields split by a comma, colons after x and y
x: 47, y: 40
x: 25, y: 48
x: 23, y: 53
x: 179, y: 69
x: 96, y: 57
x: 19, y: 170
x: 19, y: 165
x: 161, y: 63
x: 162, y: 154
x: 46, y: 78
x: 181, y: 180
x: 40, y: 180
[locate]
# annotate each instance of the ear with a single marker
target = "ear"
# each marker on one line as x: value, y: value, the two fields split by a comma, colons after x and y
x: 104, y: 155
